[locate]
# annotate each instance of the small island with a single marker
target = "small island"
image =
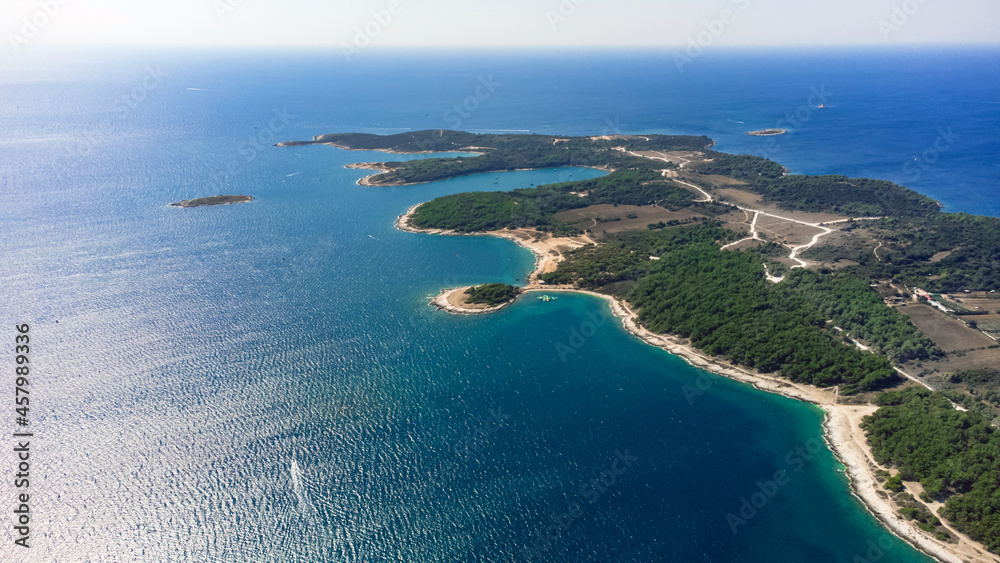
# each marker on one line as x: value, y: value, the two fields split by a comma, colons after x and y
x: 213, y: 200
x: 767, y: 132
x: 477, y: 299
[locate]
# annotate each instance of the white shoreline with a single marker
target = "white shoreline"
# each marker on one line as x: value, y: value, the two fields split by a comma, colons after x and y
x: 443, y: 304
x: 843, y: 436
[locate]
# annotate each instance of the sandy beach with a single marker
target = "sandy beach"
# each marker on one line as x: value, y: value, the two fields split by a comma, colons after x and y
x: 548, y: 250
x: 454, y: 301
x: 368, y: 181
x: 842, y: 429
x: 842, y: 432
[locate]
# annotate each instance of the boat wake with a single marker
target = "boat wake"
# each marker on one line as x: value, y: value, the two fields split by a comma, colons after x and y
x: 305, y: 506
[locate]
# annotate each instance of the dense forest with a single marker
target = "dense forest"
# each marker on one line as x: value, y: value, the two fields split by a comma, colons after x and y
x: 535, y: 207
x: 664, y: 143
x: 626, y: 256
x: 953, y: 454
x: 855, y: 197
x: 432, y: 169
x: 492, y: 294
x: 976, y: 390
x: 489, y: 211
x: 943, y: 252
x: 721, y: 301
x: 855, y: 307
x: 972, y: 244
x: 444, y: 140
x: 740, y: 166
x: 723, y: 304
x: 504, y: 152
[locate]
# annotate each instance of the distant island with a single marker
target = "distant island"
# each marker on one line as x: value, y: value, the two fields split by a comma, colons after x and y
x: 855, y: 294
x: 767, y: 132
x: 213, y: 200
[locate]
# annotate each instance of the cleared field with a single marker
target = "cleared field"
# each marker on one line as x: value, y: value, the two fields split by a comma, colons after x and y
x: 737, y: 221
x: 749, y: 199
x: 840, y: 264
x: 722, y: 180
x: 680, y: 158
x: 600, y: 219
x: 976, y: 359
x: 786, y: 232
x: 839, y: 247
x: 950, y: 334
x: 739, y: 197
x: 940, y: 256
x: 988, y: 296
x: 977, y: 301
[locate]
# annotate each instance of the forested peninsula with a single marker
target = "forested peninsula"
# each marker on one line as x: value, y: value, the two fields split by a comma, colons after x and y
x: 826, y: 281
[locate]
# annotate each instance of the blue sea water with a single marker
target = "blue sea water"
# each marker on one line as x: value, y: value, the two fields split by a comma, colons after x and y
x: 265, y: 381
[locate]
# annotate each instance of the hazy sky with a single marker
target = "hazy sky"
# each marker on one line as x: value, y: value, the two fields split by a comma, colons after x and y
x: 501, y: 22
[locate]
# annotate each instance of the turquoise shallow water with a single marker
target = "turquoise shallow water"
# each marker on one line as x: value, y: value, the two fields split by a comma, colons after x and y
x: 265, y: 382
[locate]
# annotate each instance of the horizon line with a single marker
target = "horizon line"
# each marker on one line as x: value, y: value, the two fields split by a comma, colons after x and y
x: 646, y: 47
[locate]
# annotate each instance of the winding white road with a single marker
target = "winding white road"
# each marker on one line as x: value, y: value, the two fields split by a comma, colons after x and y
x: 754, y: 235
x: 706, y: 198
